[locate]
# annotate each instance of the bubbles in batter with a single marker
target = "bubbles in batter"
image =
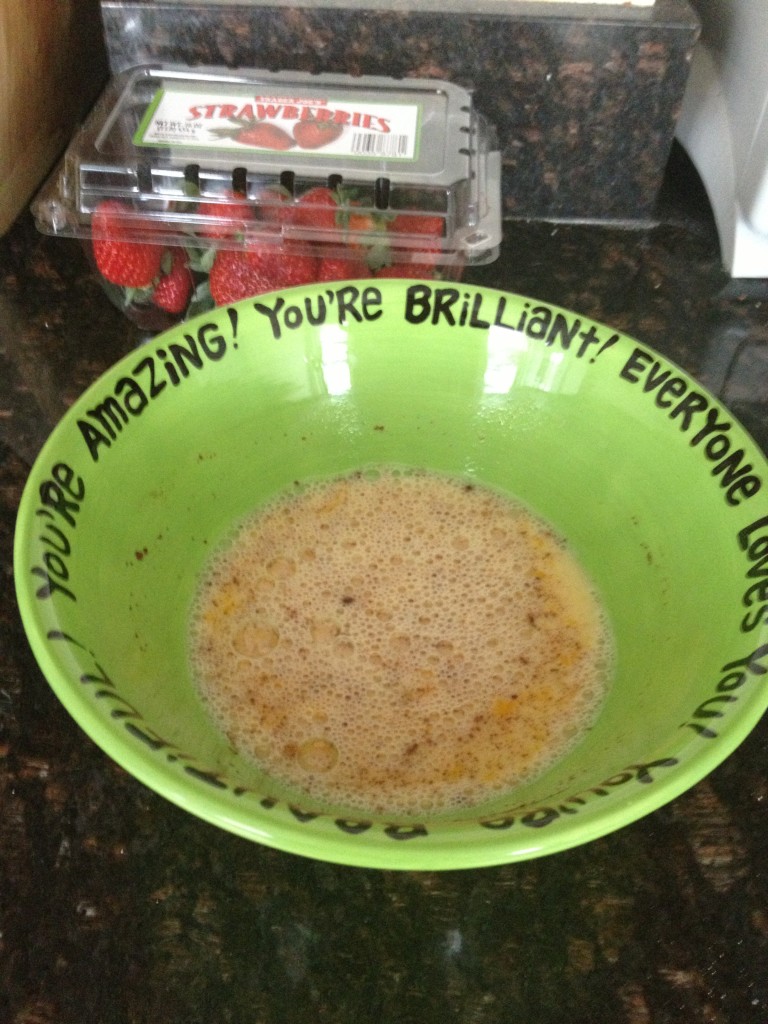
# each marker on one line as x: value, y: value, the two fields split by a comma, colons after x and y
x: 399, y: 642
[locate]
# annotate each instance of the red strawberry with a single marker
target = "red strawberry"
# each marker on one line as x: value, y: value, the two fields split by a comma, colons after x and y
x: 120, y: 259
x: 238, y: 274
x: 316, y: 209
x: 418, y: 224
x: 224, y: 219
x: 314, y: 134
x: 362, y: 222
x: 274, y: 204
x: 285, y: 269
x: 340, y: 268
x: 233, y: 278
x: 431, y: 227
x: 297, y: 268
x: 174, y: 288
x: 263, y: 135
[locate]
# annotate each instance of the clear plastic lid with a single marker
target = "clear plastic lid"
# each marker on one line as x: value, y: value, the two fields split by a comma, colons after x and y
x: 175, y: 147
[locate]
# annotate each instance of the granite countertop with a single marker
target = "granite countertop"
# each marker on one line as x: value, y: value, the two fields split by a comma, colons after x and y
x: 117, y: 907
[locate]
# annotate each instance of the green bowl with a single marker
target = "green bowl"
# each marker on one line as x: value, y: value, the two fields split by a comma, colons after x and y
x: 659, y: 491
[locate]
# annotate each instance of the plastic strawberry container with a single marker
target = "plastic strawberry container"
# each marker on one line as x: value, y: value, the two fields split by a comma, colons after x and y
x: 198, y: 188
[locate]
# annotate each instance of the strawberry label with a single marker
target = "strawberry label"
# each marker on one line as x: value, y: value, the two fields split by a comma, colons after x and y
x: 332, y: 126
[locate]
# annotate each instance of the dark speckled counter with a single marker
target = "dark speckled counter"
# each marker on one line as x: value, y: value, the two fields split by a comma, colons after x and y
x: 585, y: 97
x: 118, y: 908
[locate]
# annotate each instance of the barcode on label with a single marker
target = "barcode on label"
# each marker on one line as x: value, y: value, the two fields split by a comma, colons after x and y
x: 380, y: 145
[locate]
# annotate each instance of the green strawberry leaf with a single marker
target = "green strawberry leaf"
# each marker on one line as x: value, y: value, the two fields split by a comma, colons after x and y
x: 378, y: 256
x: 201, y: 301
x: 200, y: 260
x: 346, y: 194
x: 137, y: 296
x: 231, y: 133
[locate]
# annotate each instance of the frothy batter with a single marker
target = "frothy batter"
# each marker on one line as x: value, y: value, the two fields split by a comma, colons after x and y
x: 399, y: 642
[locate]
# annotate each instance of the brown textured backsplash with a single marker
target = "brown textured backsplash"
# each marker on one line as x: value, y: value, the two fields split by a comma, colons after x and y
x: 585, y: 98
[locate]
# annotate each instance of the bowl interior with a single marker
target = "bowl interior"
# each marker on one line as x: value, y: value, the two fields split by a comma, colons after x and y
x: 656, y: 488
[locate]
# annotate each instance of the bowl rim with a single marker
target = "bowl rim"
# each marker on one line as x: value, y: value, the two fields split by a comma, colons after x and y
x: 448, y: 846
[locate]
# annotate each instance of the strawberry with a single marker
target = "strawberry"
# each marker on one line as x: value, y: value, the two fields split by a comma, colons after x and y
x: 340, y: 268
x: 273, y: 204
x: 120, y: 259
x: 417, y: 224
x: 255, y: 133
x: 297, y: 268
x: 262, y: 135
x: 316, y: 208
x: 225, y: 219
x: 238, y: 274
x: 285, y: 269
x: 362, y: 222
x: 431, y: 227
x: 173, y: 290
x: 314, y: 134
x: 233, y: 277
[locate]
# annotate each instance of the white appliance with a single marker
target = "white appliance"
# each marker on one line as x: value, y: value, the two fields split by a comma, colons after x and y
x: 723, y: 125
